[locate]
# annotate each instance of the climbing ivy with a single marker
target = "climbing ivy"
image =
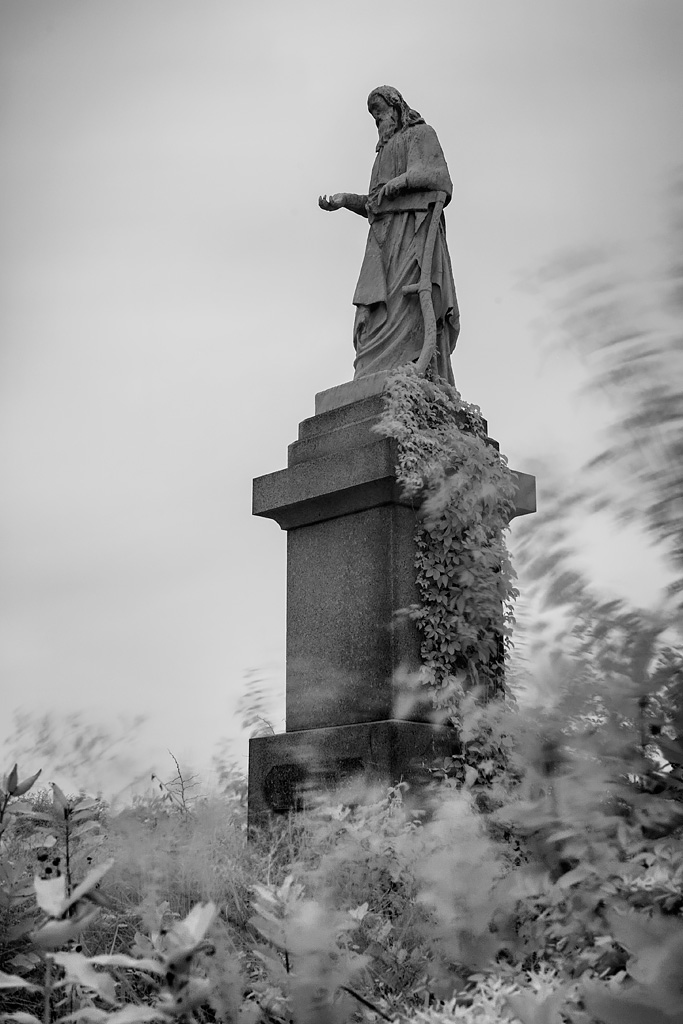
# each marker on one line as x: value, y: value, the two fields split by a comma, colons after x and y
x: 465, y: 495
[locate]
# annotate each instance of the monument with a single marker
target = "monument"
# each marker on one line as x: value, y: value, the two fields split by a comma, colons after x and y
x: 350, y: 528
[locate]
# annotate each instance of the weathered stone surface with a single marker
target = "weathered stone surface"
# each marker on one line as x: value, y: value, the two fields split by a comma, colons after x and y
x: 334, y: 485
x: 348, y: 580
x: 366, y: 410
x: 341, y: 438
x: 351, y: 391
x: 287, y: 770
x: 339, y: 465
x: 371, y: 406
x: 350, y: 570
x: 525, y: 501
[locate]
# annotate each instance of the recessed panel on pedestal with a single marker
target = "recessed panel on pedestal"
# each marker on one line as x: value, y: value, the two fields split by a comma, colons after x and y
x: 348, y: 645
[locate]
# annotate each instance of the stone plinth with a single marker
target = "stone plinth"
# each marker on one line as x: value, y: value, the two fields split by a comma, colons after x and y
x: 350, y: 575
x: 287, y: 770
x: 351, y: 391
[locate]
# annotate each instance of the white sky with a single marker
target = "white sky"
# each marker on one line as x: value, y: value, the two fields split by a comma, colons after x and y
x: 172, y: 297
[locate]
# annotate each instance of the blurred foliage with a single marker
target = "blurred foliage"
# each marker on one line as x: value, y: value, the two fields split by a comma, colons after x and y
x: 257, y: 703
x: 561, y: 902
x: 70, y: 745
x: 597, y: 658
x: 628, y: 331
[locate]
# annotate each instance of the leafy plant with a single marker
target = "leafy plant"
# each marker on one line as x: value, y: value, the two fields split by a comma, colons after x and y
x: 466, y: 497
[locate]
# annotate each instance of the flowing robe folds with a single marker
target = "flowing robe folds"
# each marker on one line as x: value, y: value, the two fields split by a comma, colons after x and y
x: 388, y: 328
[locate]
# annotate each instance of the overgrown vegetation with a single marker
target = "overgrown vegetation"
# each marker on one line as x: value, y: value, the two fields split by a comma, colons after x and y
x: 562, y: 902
x: 465, y: 493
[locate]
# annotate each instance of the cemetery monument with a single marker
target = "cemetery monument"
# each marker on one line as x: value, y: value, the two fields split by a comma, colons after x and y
x: 350, y: 526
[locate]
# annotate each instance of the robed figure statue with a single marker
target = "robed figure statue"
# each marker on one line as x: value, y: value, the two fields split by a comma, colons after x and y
x: 408, y: 177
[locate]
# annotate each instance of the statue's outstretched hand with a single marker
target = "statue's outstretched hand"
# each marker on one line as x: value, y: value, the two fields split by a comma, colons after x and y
x: 335, y: 202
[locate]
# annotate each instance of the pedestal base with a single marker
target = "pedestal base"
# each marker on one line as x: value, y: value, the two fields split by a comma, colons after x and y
x: 289, y: 770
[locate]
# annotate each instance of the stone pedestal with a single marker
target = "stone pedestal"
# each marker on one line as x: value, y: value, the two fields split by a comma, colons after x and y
x: 350, y: 569
x: 287, y: 770
x: 350, y: 575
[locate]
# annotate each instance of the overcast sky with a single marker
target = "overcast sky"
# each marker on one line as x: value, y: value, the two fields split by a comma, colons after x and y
x: 173, y: 298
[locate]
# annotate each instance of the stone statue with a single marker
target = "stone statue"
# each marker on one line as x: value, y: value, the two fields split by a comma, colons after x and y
x: 396, y: 309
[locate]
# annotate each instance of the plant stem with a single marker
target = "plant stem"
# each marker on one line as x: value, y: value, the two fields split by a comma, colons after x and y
x: 365, y: 1002
x: 67, y: 855
x: 3, y: 807
x: 47, y: 990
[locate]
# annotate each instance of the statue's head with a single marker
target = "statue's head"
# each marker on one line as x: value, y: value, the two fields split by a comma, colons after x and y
x: 390, y: 111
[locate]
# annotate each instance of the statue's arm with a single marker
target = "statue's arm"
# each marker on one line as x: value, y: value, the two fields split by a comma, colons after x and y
x: 355, y: 203
x: 345, y: 200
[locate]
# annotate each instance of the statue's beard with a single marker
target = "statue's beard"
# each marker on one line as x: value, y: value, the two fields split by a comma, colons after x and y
x: 386, y: 129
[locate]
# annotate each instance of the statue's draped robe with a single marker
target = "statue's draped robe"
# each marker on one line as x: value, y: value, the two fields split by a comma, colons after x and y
x: 389, y: 329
